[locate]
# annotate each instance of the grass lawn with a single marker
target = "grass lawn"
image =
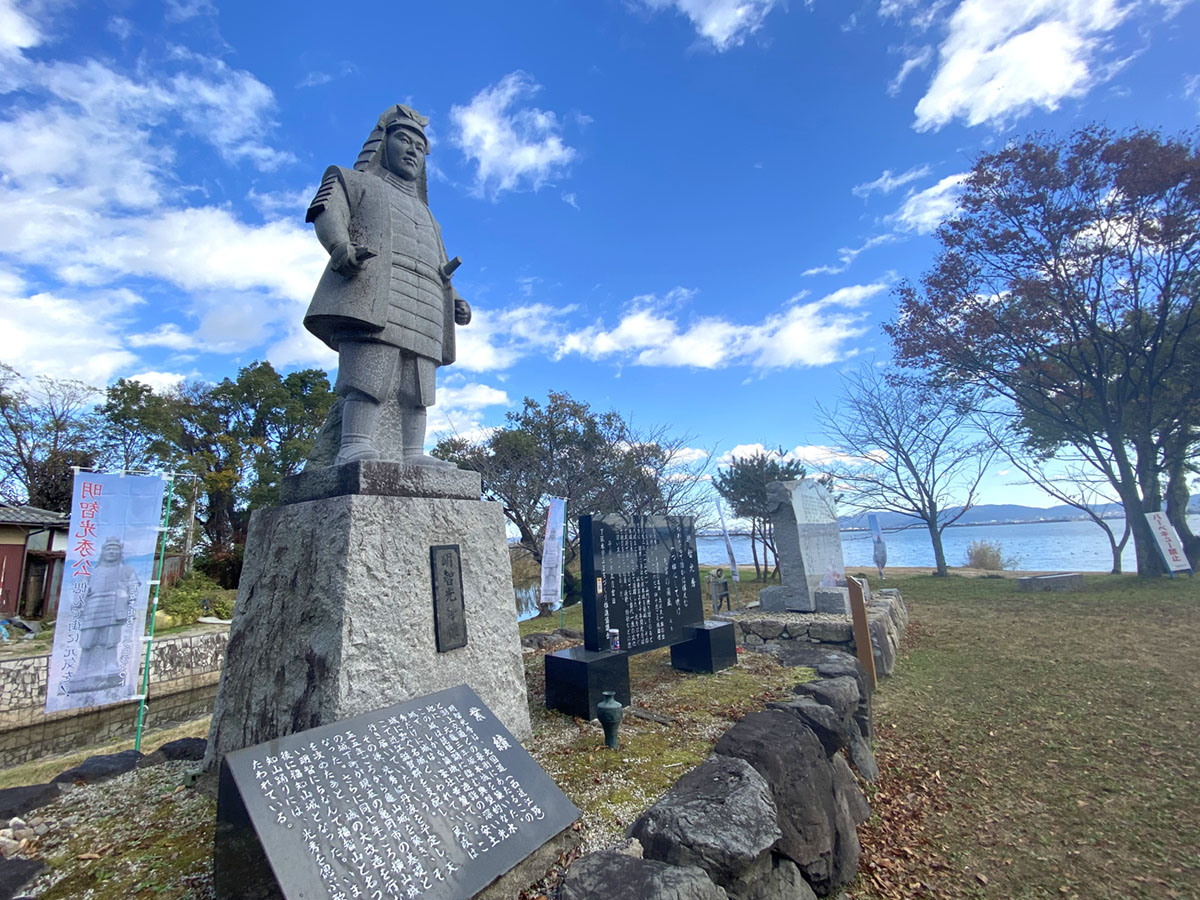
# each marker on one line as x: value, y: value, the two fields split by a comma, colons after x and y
x: 1032, y: 746
x: 1040, y: 745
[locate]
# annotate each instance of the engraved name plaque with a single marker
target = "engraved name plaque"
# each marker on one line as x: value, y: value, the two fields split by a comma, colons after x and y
x: 449, y: 611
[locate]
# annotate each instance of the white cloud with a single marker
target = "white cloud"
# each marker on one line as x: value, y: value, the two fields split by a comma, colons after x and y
x: 569, y: 199
x: 847, y: 255
x: 75, y: 336
x: 1002, y: 58
x: 888, y: 182
x: 17, y: 31
x: 922, y: 211
x: 166, y: 335
x: 498, y: 338
x: 916, y: 59
x: 802, y: 334
x: 511, y: 145
x: 460, y: 409
x: 161, y: 382
x: 814, y: 456
x: 724, y: 23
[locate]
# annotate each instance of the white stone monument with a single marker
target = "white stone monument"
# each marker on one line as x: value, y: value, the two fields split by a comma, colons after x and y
x: 809, y: 546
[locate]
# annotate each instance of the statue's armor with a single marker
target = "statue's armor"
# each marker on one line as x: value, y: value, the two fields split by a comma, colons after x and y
x: 110, y: 588
x: 416, y: 303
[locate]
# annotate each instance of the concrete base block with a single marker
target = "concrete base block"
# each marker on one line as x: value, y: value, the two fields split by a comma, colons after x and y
x: 335, y: 616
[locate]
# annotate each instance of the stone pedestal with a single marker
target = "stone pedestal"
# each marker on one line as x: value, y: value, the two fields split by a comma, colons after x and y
x: 335, y: 610
x: 709, y: 648
x: 576, y: 679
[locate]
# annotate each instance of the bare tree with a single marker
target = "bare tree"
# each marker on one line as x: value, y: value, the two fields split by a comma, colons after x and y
x: 46, y: 426
x: 907, y: 447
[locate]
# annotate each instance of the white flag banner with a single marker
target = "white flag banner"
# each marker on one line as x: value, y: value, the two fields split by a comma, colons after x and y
x: 1169, y: 544
x: 733, y: 569
x: 105, y: 589
x: 552, y: 552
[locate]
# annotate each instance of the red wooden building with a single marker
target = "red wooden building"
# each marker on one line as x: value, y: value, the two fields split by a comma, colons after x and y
x: 33, y: 544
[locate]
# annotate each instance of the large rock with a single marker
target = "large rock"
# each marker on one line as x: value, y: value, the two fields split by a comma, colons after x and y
x: 719, y: 816
x: 15, y: 874
x: 780, y: 881
x: 846, y: 790
x: 16, y: 801
x: 100, y: 768
x: 829, y: 728
x: 335, y: 616
x: 839, y: 694
x: 863, y: 756
x: 817, y: 832
x: 885, y: 644
x: 610, y: 875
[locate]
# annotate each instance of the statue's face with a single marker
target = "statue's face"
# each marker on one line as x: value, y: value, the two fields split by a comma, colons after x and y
x: 110, y: 554
x: 405, y: 153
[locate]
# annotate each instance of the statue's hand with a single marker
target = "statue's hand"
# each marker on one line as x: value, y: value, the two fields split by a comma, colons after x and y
x: 344, y: 260
x: 462, y: 311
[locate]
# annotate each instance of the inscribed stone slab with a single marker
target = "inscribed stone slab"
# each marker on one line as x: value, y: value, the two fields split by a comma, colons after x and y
x: 641, y: 576
x: 434, y: 796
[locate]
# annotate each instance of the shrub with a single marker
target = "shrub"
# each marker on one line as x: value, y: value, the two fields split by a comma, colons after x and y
x: 185, y: 599
x: 224, y: 566
x: 987, y: 555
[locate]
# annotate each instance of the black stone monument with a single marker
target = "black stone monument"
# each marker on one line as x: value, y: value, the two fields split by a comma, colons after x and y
x: 641, y: 586
x: 431, y: 798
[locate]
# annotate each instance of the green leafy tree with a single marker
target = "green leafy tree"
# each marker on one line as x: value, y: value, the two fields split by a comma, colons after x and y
x: 743, y: 485
x: 240, y: 438
x: 1067, y: 284
x: 597, y: 462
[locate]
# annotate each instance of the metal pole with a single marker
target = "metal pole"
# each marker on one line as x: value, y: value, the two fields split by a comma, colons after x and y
x: 149, y: 638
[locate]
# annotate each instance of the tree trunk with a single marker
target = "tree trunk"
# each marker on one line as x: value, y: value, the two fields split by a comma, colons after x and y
x: 1177, y: 502
x: 754, y: 548
x: 1149, y: 563
x: 939, y: 555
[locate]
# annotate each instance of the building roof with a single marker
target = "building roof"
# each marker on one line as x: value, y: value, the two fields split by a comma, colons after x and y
x: 31, y: 515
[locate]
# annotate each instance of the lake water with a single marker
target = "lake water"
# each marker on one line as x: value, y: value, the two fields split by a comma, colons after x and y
x: 1054, y: 546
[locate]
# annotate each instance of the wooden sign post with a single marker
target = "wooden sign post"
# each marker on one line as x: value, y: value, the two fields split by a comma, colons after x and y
x: 862, y: 631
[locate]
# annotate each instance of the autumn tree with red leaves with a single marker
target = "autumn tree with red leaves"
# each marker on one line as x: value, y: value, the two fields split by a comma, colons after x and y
x: 1068, y: 283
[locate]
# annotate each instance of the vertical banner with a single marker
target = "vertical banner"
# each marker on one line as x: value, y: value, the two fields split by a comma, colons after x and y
x: 1169, y: 545
x: 733, y: 569
x: 878, y: 547
x: 105, y: 588
x: 552, y: 553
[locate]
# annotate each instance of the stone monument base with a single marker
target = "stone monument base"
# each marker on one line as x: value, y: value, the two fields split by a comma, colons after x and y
x: 784, y: 598
x: 335, y: 609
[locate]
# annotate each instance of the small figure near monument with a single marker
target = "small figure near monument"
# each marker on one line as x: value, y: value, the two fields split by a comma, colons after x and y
x: 879, y: 553
x: 111, y: 590
x: 385, y: 301
x: 718, y: 589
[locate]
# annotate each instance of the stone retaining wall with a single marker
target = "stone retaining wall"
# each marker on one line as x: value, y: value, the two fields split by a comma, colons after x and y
x: 782, y: 632
x: 184, y: 671
x: 770, y: 815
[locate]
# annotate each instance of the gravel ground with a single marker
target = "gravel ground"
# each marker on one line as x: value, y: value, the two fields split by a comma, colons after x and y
x: 122, y: 834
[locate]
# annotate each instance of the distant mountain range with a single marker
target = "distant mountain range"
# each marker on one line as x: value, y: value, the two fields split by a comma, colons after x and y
x: 995, y: 514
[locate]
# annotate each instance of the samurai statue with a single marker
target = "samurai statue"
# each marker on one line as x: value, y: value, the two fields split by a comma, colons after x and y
x: 384, y: 302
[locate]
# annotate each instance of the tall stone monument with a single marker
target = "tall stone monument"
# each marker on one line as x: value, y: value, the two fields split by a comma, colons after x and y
x: 809, y: 545
x: 381, y: 576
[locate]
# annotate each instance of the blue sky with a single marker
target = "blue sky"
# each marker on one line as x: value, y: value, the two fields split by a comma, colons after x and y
x: 691, y: 211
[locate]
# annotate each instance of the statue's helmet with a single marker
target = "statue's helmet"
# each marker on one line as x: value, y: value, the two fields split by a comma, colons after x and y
x: 370, y: 158
x: 112, y: 542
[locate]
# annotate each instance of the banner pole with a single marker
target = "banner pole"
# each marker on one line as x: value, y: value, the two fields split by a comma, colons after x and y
x: 162, y: 559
